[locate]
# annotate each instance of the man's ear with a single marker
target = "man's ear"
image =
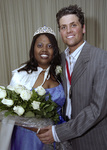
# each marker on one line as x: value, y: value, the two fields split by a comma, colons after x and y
x: 83, y: 28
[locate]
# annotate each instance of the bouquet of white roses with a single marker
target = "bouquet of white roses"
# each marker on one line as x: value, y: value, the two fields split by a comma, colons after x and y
x: 20, y: 101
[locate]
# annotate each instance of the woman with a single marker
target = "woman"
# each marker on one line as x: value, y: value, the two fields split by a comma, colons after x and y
x: 39, y: 70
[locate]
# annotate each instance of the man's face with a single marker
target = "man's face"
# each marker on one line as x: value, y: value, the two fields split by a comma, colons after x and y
x: 71, y: 31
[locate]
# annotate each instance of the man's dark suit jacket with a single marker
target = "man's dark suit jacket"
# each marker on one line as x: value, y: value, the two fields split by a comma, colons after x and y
x: 87, y: 129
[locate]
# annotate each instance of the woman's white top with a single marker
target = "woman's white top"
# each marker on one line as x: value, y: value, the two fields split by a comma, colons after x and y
x: 28, y: 80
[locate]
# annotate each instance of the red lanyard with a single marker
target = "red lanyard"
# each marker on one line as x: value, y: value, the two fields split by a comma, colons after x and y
x: 68, y: 73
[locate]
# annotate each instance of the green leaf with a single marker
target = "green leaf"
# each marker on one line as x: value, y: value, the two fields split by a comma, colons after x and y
x: 50, y: 108
x: 29, y: 114
x: 8, y: 113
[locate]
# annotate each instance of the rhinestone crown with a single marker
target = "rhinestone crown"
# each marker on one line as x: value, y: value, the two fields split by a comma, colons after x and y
x: 44, y: 29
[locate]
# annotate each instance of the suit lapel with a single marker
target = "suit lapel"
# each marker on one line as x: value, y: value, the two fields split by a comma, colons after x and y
x: 81, y: 64
x: 63, y: 74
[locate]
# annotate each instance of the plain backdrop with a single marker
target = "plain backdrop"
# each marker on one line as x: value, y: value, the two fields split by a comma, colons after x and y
x: 19, y: 19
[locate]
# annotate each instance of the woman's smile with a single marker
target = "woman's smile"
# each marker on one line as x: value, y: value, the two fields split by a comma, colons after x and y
x: 44, y: 56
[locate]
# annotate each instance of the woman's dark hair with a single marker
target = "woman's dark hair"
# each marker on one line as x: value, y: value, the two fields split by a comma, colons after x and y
x: 71, y: 9
x: 32, y: 64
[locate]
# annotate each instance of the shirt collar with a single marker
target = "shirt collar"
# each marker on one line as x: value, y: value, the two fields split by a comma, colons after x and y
x: 76, y: 53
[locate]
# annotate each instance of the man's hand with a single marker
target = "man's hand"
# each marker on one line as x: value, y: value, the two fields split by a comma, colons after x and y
x: 46, y: 137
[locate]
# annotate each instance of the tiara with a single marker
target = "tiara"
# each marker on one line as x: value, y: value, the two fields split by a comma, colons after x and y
x: 44, y: 29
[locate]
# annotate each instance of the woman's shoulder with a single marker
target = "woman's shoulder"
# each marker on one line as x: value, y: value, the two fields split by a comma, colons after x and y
x: 23, y: 78
x: 16, y: 70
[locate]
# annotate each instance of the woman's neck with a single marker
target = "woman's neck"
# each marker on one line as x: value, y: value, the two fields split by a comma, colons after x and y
x: 44, y: 67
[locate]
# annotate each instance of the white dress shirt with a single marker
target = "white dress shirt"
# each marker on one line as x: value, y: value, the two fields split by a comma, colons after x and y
x: 71, y: 58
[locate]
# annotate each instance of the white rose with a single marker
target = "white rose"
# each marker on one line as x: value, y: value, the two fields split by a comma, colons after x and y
x: 58, y: 70
x: 19, y: 88
x: 35, y: 105
x: 40, y: 90
x: 18, y: 110
x: 2, y: 87
x: 2, y: 92
x: 10, y: 87
x: 7, y: 102
x: 26, y: 94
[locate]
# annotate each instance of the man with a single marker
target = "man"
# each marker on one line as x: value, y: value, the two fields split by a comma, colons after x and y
x: 85, y: 85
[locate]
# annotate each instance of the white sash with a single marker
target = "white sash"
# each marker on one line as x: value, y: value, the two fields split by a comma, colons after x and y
x: 6, y: 129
